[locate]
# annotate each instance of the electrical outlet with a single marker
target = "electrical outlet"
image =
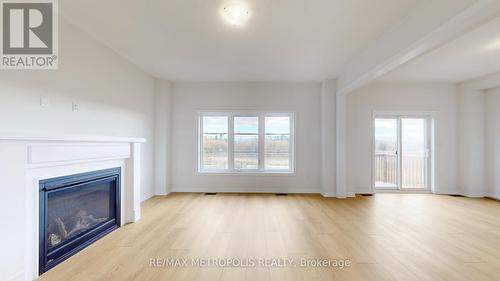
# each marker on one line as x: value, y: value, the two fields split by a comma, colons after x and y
x: 44, y: 101
x: 75, y: 106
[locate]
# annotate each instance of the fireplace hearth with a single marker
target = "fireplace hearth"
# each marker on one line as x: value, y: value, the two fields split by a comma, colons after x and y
x: 75, y: 211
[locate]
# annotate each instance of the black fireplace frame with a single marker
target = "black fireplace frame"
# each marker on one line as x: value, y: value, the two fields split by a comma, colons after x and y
x: 79, y: 243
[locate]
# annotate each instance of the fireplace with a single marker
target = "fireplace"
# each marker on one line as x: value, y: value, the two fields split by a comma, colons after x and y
x: 75, y: 211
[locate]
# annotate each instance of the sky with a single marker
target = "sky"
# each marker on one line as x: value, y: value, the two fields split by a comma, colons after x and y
x: 245, y: 125
x: 413, y: 132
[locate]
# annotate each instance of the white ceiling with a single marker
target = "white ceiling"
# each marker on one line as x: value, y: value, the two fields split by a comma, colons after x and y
x: 470, y: 56
x: 285, y: 40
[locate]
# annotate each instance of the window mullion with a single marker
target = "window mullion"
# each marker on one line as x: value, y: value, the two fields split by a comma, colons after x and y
x: 200, y: 143
x: 400, y: 154
x: 291, y: 148
x: 261, y: 142
x: 230, y: 149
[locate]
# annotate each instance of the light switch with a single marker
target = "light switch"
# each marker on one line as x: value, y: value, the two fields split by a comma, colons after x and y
x: 75, y: 106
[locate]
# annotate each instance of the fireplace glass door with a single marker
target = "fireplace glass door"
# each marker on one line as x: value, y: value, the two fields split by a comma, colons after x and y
x: 76, y: 211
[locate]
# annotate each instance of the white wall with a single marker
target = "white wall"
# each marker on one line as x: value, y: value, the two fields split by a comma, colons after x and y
x: 115, y: 98
x: 438, y: 98
x: 492, y: 140
x: 328, y: 138
x: 471, y: 160
x: 302, y: 98
x: 163, y: 136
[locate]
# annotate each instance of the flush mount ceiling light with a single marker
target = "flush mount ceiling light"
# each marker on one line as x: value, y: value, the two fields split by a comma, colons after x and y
x: 496, y: 45
x: 493, y: 46
x: 235, y: 13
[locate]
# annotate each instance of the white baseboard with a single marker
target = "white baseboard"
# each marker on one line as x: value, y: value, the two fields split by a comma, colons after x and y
x: 160, y: 194
x: 332, y: 195
x: 163, y: 194
x: 147, y: 197
x: 473, y: 194
x: 351, y: 194
x: 245, y: 190
x: 353, y: 190
x: 403, y: 191
x: 17, y: 277
x: 447, y: 192
x: 468, y: 194
x: 328, y: 194
x: 493, y: 196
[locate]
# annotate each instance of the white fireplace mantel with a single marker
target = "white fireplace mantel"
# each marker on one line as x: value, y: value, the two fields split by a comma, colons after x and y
x: 26, y: 159
x: 68, y: 138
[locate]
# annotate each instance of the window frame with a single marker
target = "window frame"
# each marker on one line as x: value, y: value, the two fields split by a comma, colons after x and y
x: 261, y: 144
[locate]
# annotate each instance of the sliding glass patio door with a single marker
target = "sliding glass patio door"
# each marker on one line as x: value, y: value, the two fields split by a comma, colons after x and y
x: 386, y: 153
x: 401, y: 153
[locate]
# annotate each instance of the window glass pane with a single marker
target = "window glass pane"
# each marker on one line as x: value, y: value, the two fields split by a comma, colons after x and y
x: 386, y: 153
x: 215, y: 142
x: 413, y: 153
x: 278, y: 125
x: 277, y: 143
x: 246, y: 125
x: 215, y: 124
x: 246, y: 143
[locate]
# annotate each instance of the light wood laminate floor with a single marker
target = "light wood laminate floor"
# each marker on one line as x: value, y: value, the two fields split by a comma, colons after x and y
x: 385, y: 237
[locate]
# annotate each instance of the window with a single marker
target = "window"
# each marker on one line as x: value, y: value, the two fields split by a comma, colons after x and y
x: 277, y: 139
x: 215, y: 143
x: 243, y: 142
x: 246, y: 143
